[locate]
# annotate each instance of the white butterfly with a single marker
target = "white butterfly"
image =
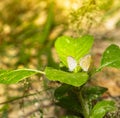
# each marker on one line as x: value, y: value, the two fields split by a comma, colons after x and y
x: 84, y: 63
x: 72, y: 63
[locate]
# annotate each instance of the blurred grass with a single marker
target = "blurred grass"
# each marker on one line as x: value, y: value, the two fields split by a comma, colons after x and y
x: 27, y: 34
x: 20, y: 30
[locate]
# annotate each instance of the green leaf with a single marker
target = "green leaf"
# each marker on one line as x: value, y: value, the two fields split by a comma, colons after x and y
x: 61, y: 91
x: 68, y: 99
x: 92, y: 92
x: 77, y: 48
x: 70, y: 116
x: 101, y: 108
x: 70, y: 103
x: 111, y: 57
x: 75, y: 79
x: 14, y: 76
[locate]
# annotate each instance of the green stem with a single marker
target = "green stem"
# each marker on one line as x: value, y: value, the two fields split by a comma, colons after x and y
x: 84, y: 105
x: 37, y: 71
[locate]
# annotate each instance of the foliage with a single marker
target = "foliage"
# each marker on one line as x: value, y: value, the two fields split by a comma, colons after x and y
x: 75, y: 79
x: 12, y: 77
x: 111, y: 61
x: 74, y: 94
x: 76, y: 48
x: 101, y: 108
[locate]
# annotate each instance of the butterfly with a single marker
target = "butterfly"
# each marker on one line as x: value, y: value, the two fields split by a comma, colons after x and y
x: 84, y: 62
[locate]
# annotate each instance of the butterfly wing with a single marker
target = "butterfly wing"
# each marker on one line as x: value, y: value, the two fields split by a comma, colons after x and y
x: 71, y: 63
x: 85, y: 62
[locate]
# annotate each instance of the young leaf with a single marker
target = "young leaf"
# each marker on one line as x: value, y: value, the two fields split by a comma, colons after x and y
x: 111, y: 57
x: 14, y: 76
x: 76, y: 48
x: 75, y: 79
x: 101, y: 108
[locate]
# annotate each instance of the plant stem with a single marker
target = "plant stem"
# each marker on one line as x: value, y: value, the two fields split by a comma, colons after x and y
x: 37, y: 71
x: 84, y: 105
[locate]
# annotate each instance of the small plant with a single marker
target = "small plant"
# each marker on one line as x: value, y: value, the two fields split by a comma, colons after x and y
x: 75, y: 94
